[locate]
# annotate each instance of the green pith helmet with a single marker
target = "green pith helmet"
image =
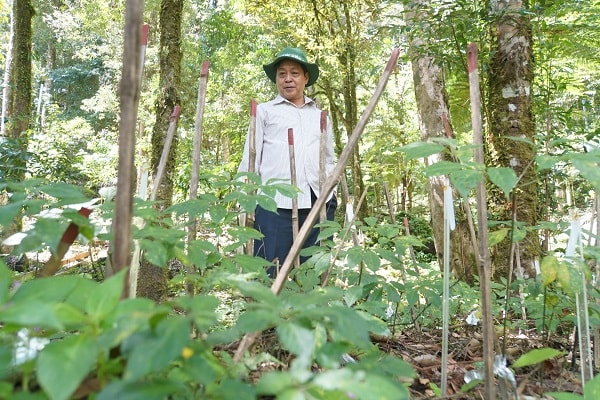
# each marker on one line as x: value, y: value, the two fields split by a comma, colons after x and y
x: 295, y: 54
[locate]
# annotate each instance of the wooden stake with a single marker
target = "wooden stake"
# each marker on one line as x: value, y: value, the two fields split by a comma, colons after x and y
x: 484, y: 261
x: 249, y: 223
x: 54, y: 262
x: 322, y: 174
x: 294, y: 199
x: 129, y: 100
x: 160, y: 171
x: 196, y: 160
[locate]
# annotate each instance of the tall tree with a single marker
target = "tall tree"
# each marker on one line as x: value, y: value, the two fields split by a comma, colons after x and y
x: 152, y: 281
x: 434, y: 122
x: 20, y: 75
x: 512, y: 133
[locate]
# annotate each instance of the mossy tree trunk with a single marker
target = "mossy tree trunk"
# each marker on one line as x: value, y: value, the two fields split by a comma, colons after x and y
x: 153, y: 279
x: 19, y: 101
x: 432, y: 106
x: 512, y: 134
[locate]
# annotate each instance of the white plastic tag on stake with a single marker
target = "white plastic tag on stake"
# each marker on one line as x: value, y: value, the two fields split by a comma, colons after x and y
x: 574, y: 235
x: 449, y: 206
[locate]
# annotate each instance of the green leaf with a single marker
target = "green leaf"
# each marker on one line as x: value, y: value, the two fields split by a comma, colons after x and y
x: 536, y: 356
x: 371, y: 260
x: 443, y: 168
x: 201, y: 309
x: 217, y: 213
x: 274, y: 382
x: 546, y: 162
x: 591, y: 390
x: 354, y: 256
x: 256, y: 320
x: 6, y: 280
x: 64, y: 192
x: 417, y: 150
x: 503, y: 177
x: 362, y: 385
x: 297, y: 339
x: 251, y: 262
x: 569, y: 278
x: 159, y: 348
x: 587, y: 164
x: 146, y: 390
x: 8, y: 213
x: 155, y: 252
x: 565, y: 396
x: 549, y: 269
x: 465, y: 180
x: 495, y: 237
x: 104, y: 298
x: 34, y: 313
x: 63, y: 364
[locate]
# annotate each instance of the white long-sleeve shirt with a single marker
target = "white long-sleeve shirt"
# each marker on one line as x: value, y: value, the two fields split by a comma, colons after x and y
x: 273, y: 119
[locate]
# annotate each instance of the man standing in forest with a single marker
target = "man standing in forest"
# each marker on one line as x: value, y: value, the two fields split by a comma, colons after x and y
x: 290, y: 109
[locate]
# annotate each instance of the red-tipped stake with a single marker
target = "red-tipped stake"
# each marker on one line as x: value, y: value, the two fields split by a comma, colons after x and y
x: 53, y: 263
x: 143, y: 46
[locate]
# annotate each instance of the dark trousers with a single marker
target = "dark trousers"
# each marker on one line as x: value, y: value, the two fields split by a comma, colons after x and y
x: 278, y: 235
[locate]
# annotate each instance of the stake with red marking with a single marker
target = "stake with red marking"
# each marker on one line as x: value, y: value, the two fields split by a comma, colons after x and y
x: 53, y: 264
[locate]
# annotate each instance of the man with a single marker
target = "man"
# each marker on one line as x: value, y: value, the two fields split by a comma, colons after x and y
x: 292, y: 73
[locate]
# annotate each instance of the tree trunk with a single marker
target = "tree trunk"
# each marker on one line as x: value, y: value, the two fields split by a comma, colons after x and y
x: 510, y: 105
x: 432, y: 106
x: 6, y: 90
x: 18, y: 100
x: 20, y: 73
x: 152, y: 279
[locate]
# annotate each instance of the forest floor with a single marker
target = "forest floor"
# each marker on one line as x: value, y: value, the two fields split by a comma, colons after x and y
x: 422, y: 348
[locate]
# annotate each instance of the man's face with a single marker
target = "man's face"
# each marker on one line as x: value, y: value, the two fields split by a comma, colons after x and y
x: 291, y: 80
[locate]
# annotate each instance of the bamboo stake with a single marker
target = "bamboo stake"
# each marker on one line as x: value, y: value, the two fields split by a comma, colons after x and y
x: 196, y: 160
x: 449, y: 223
x: 130, y: 94
x: 251, y: 168
x: 142, y: 176
x: 322, y: 174
x: 143, y: 46
x: 160, y: 171
x: 413, y: 257
x: 596, y: 244
x: 294, y: 199
x: 484, y: 261
x: 322, y: 164
x: 197, y: 144
x: 583, y: 319
x: 330, y: 183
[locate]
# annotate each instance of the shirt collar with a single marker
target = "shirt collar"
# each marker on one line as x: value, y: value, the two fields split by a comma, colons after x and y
x: 281, y: 99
